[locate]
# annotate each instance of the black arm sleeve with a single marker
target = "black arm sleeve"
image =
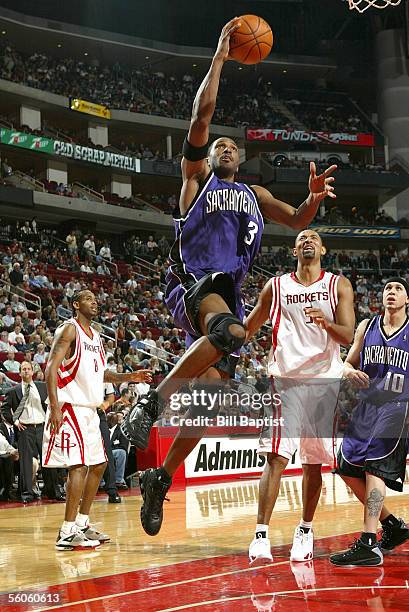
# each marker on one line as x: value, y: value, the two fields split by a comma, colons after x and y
x: 192, y: 153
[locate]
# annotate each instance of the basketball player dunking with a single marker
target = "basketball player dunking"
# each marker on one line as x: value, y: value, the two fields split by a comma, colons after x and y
x: 218, y: 232
x: 374, y: 449
x: 312, y: 314
x: 75, y: 376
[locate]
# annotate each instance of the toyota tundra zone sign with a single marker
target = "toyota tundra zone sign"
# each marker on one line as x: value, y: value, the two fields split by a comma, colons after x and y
x: 305, y: 137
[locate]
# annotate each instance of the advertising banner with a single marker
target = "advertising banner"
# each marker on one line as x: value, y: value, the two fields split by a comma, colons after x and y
x: 90, y: 108
x: 26, y: 141
x: 70, y: 150
x: 305, y: 137
x: 350, y: 231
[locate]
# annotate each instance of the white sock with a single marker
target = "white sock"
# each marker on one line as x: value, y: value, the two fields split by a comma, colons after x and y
x: 263, y: 529
x: 67, y: 526
x: 305, y: 524
x: 82, y: 520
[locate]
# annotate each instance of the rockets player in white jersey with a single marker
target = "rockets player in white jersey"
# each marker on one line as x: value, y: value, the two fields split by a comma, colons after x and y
x: 75, y: 375
x: 312, y: 314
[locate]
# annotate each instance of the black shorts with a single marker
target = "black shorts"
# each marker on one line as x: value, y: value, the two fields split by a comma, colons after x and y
x: 183, y: 300
x: 376, y: 442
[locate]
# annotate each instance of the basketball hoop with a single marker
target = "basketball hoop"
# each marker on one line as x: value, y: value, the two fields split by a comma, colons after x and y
x: 362, y: 5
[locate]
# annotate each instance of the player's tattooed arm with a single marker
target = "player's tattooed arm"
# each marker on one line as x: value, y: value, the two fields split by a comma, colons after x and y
x: 374, y: 502
x: 260, y: 312
x: 64, y: 339
x: 358, y: 379
x: 320, y: 187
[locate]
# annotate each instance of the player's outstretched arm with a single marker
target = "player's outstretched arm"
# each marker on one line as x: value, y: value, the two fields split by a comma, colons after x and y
x: 203, y: 108
x: 64, y: 338
x: 342, y: 329
x: 137, y: 377
x: 298, y: 218
x: 260, y: 312
x: 358, y: 378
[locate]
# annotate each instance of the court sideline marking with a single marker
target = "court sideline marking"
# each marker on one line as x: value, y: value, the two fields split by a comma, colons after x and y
x: 160, y: 586
x: 241, y: 597
x: 191, y: 580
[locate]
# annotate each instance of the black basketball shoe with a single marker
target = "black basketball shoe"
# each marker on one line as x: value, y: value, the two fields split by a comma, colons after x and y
x: 393, y: 536
x: 359, y: 554
x: 153, y: 489
x: 137, y: 425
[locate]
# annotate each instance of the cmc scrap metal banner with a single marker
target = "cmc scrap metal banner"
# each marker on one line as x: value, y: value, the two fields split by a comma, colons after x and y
x: 349, y: 231
x: 70, y: 150
x: 302, y: 136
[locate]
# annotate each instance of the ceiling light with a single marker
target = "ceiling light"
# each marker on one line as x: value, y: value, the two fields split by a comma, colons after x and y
x: 59, y: 45
x: 284, y: 71
x: 3, y: 32
x: 85, y: 54
x: 194, y: 65
x: 146, y: 56
x: 240, y: 67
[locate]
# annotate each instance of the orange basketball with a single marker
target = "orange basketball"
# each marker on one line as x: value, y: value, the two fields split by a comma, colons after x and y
x: 252, y: 42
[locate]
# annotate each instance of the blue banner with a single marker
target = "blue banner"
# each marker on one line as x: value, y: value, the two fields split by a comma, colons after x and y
x: 351, y: 231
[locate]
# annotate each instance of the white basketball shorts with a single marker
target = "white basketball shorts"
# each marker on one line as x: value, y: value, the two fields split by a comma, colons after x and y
x: 307, y: 411
x: 79, y: 441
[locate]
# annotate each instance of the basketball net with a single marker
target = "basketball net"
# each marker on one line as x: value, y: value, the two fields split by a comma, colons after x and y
x: 362, y: 5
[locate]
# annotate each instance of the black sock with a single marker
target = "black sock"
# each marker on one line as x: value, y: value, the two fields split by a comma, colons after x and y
x: 368, y: 538
x: 390, y: 521
x: 305, y: 529
x: 163, y: 475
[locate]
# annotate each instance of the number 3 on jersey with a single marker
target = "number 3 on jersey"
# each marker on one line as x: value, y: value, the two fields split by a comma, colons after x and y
x: 252, y: 232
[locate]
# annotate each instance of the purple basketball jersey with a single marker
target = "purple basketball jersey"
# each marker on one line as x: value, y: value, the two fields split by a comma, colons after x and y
x: 385, y: 360
x: 221, y: 231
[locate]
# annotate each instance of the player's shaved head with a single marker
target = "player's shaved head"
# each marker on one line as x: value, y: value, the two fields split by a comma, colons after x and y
x: 224, y: 159
x: 222, y: 140
x: 306, y: 233
x: 308, y: 246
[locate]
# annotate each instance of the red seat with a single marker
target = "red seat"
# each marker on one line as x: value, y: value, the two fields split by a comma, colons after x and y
x: 14, y: 376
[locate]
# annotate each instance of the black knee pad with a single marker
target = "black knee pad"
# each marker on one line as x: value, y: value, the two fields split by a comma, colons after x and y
x: 220, y: 335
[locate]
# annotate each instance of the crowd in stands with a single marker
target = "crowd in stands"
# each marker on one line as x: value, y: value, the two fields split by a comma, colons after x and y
x: 357, y: 216
x: 145, y: 91
x: 38, y: 263
x: 282, y: 161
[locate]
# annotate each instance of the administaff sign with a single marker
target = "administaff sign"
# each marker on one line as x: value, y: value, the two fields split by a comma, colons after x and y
x: 70, y: 150
x: 348, y: 231
x: 303, y: 136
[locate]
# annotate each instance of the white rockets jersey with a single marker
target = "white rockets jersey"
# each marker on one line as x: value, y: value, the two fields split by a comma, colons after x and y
x: 80, y: 378
x: 300, y: 348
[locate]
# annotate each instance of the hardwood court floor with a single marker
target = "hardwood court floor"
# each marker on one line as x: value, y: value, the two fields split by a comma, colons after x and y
x: 199, y: 559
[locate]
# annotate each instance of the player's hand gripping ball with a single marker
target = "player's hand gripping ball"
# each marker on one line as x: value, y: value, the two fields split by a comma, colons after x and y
x: 252, y: 41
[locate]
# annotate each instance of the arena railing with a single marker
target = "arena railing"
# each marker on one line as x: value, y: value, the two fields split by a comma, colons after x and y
x: 92, y: 193
x: 107, y: 261
x: 34, y: 299
x: 171, y: 363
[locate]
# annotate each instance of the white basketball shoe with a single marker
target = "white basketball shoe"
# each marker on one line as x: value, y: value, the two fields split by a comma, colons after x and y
x: 260, y: 551
x: 303, y: 545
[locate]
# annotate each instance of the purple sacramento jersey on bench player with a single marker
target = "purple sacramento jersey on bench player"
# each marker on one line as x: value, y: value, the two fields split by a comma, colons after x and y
x: 378, y: 424
x: 220, y: 232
